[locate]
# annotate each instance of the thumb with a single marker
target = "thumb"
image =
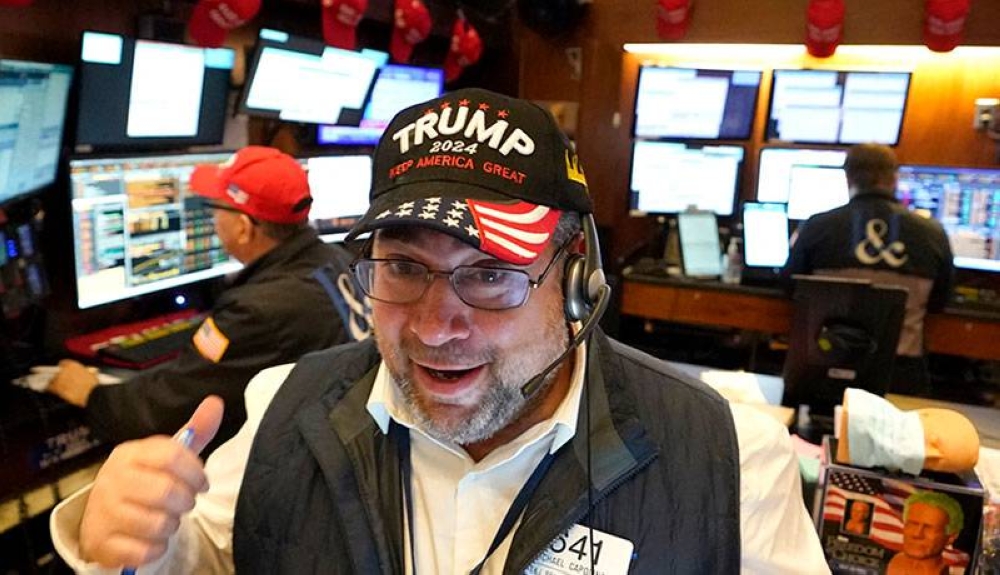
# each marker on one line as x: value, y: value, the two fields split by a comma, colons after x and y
x: 205, y: 421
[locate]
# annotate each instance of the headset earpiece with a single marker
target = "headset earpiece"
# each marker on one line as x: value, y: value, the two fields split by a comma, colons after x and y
x: 583, y: 276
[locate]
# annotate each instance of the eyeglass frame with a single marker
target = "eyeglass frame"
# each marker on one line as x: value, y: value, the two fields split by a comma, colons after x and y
x: 227, y: 208
x: 431, y: 274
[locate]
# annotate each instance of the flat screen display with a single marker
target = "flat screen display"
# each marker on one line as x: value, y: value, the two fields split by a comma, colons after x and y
x: 837, y: 107
x: 815, y: 189
x: 138, y: 229
x: 765, y: 235
x: 32, y: 114
x: 670, y: 177
x: 701, y: 251
x: 396, y: 87
x: 298, y: 79
x: 695, y: 103
x: 340, y: 187
x: 967, y: 203
x: 774, y: 170
x: 141, y: 94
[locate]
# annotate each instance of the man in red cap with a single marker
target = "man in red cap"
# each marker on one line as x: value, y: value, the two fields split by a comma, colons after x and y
x: 265, y: 317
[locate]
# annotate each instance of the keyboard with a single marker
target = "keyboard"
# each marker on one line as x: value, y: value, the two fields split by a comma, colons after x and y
x: 151, y: 345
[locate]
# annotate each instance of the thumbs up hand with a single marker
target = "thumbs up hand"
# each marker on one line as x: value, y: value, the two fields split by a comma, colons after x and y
x: 142, y: 491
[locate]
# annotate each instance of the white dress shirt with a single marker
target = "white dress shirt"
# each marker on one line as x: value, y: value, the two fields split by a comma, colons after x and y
x: 777, y: 535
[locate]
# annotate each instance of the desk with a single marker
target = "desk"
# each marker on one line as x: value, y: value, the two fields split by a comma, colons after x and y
x: 768, y: 310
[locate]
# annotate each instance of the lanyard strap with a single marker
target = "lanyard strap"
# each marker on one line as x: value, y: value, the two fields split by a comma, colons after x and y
x: 402, y: 437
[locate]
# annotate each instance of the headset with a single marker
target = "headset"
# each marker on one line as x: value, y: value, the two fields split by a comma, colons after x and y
x: 586, y: 293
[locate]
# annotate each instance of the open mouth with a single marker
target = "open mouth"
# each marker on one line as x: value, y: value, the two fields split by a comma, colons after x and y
x: 449, y: 374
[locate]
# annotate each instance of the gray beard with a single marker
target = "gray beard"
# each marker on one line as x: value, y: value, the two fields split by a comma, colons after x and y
x: 501, y: 405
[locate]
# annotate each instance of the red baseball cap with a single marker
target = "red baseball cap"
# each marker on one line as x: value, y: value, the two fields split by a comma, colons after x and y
x: 466, y: 48
x: 672, y: 18
x: 340, y: 22
x: 211, y: 19
x: 412, y: 25
x: 259, y: 181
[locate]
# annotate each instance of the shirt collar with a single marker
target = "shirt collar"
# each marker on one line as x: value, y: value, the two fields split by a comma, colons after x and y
x: 385, y: 403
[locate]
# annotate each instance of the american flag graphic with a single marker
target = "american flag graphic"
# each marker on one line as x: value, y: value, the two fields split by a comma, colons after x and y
x: 887, y: 497
x: 515, y: 232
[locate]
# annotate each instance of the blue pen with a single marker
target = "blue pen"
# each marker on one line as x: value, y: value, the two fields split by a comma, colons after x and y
x: 184, y: 437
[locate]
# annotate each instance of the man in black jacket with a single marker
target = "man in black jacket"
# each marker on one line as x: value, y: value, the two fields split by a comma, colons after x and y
x: 482, y: 431
x: 874, y: 237
x: 266, y: 316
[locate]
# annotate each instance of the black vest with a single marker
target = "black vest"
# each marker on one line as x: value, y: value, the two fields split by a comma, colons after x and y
x: 321, y: 492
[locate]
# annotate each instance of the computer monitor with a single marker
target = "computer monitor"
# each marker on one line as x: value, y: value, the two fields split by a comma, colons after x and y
x: 138, y: 229
x: 340, y: 187
x: 32, y: 113
x: 765, y: 235
x: 396, y: 87
x: 837, y: 107
x: 815, y: 189
x: 774, y: 169
x: 695, y: 103
x: 967, y: 203
x: 670, y: 177
x: 297, y: 79
x: 142, y: 94
x: 701, y: 251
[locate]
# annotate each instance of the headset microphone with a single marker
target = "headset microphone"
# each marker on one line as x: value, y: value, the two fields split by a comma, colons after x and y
x: 603, y: 297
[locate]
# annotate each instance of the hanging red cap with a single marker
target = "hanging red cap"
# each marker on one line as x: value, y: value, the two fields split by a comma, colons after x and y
x: 466, y: 48
x: 944, y: 22
x: 411, y: 27
x: 672, y: 18
x: 212, y: 19
x: 824, y: 27
x: 340, y: 22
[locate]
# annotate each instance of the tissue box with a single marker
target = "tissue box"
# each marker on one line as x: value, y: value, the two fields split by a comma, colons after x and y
x: 859, y: 517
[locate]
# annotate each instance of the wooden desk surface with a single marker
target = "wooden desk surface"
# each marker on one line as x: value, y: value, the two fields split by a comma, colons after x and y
x: 769, y: 311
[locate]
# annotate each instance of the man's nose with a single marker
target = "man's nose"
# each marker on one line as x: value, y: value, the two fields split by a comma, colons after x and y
x: 440, y: 315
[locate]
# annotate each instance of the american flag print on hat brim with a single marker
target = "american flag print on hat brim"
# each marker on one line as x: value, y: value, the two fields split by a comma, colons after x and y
x: 515, y: 232
x: 887, y: 497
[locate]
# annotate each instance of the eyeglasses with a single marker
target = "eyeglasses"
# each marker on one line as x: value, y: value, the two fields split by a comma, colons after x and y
x: 406, y: 281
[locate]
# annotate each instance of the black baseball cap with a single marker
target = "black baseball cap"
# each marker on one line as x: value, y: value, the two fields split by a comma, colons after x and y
x: 493, y: 171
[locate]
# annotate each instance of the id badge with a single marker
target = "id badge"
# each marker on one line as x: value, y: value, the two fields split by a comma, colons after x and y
x: 574, y: 553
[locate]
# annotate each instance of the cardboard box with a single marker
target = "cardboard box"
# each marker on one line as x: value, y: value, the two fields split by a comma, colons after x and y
x: 859, y: 516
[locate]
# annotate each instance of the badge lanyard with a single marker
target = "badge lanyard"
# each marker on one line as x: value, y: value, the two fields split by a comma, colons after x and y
x: 402, y: 437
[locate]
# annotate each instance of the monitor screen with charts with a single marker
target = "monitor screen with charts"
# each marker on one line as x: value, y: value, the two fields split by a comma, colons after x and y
x: 967, y: 203
x: 701, y: 251
x: 340, y: 187
x: 837, y: 107
x: 138, y: 229
x: 32, y: 114
x: 765, y: 235
x: 670, y: 177
x: 142, y: 94
x: 695, y: 103
x: 396, y: 87
x: 774, y: 170
x: 298, y: 79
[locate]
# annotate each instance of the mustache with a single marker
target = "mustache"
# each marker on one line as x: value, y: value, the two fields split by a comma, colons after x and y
x: 451, y: 352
